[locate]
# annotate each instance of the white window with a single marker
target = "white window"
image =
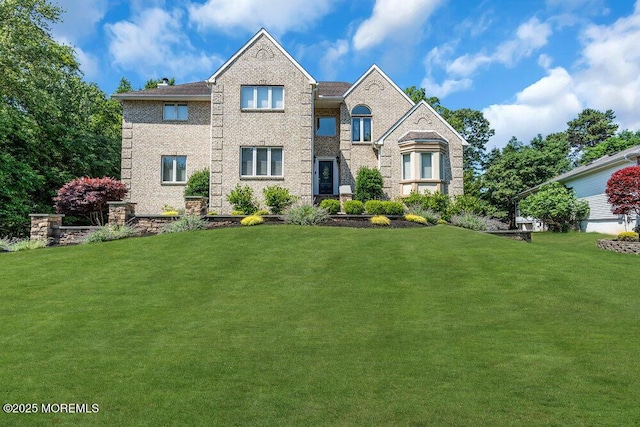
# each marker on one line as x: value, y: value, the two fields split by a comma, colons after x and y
x: 406, y: 166
x: 326, y: 126
x: 361, y: 124
x: 262, y: 97
x: 260, y: 161
x: 175, y: 112
x: 174, y: 169
x: 426, y: 169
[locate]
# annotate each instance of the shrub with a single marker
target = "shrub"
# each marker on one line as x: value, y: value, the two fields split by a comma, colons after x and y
x: 212, y: 213
x: 380, y: 220
x: 235, y: 212
x: 468, y: 220
x: 393, y: 208
x: 437, y: 202
x: 374, y: 207
x: 242, y: 199
x: 278, y: 198
x: 110, y: 232
x: 198, y: 184
x: 368, y: 184
x: 252, y: 220
x: 186, y: 223
x: 170, y: 213
x: 428, y: 214
x: 332, y: 206
x: 306, y: 215
x: 555, y: 205
x: 628, y: 236
x: 442, y: 222
x: 87, y: 197
x: 261, y: 212
x: 353, y: 207
x: 22, y: 245
x: 416, y: 218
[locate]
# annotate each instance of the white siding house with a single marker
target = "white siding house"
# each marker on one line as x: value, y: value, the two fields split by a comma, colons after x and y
x: 589, y: 183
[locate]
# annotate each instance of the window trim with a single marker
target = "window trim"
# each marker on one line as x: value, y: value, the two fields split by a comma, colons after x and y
x: 254, y: 162
x: 176, y: 106
x: 362, y: 118
x: 255, y: 98
x: 174, y: 170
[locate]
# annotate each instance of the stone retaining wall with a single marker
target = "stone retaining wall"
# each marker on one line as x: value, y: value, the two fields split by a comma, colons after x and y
x: 74, y: 235
x: 618, y: 246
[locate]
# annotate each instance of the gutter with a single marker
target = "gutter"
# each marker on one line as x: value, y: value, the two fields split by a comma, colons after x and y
x: 121, y: 97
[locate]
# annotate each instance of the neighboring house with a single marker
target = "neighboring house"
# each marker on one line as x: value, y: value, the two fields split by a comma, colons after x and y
x: 261, y: 119
x: 589, y: 183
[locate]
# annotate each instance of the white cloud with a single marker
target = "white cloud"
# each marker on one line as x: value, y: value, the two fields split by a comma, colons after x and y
x: 393, y: 18
x: 544, y: 107
x: 332, y: 57
x: 608, y: 77
x: 153, y: 44
x: 277, y: 16
x: 79, y: 19
x: 529, y: 37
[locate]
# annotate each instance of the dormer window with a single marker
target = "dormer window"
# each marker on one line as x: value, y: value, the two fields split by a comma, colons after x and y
x: 262, y: 98
x: 361, y: 124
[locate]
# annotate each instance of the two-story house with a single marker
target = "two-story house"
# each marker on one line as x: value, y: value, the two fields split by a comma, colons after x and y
x: 261, y: 119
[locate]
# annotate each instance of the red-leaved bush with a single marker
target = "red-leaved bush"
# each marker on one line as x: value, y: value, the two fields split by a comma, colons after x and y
x: 623, y: 191
x: 87, y: 197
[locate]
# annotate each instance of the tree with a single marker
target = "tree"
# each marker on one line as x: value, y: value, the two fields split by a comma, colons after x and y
x: 590, y: 128
x: 518, y: 167
x: 124, y: 86
x: 198, y: 183
x: 153, y: 83
x: 622, y: 141
x: 87, y: 197
x: 53, y: 125
x: 476, y: 130
x: 623, y: 191
x: 556, y: 206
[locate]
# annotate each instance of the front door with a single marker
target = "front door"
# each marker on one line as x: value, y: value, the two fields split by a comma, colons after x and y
x: 325, y: 177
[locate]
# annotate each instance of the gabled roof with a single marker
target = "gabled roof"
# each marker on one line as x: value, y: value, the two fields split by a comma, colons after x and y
x: 601, y: 163
x: 332, y: 89
x: 419, y: 135
x: 409, y: 113
x: 373, y: 68
x: 259, y: 34
x: 196, y: 91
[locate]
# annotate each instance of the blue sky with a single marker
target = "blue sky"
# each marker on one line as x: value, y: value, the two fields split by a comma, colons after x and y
x: 529, y: 65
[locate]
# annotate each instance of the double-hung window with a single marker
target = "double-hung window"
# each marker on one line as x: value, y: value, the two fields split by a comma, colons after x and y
x: 175, y: 112
x: 261, y: 161
x: 426, y: 168
x: 406, y: 166
x: 174, y: 169
x: 262, y: 97
x: 361, y: 124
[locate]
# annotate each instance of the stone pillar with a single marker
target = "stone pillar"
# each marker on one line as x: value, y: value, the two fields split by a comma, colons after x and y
x: 46, y: 227
x: 195, y: 205
x: 121, y: 212
x: 345, y: 195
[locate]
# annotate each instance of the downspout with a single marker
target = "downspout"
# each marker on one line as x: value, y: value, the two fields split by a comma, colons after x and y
x: 209, y: 85
x: 314, y: 89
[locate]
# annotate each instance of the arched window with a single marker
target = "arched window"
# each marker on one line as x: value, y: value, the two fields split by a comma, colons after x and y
x: 361, y: 124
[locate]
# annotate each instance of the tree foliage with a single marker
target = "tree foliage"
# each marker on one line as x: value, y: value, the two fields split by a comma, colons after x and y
x: 87, y: 197
x: 518, y: 167
x: 590, y: 128
x: 556, y: 206
x: 153, y: 83
x: 622, y: 141
x: 623, y: 191
x: 53, y: 125
x: 198, y: 184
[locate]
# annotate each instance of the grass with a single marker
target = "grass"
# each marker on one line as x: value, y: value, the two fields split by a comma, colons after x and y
x: 314, y: 326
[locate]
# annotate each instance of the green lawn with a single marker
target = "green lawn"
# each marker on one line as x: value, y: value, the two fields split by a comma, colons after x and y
x: 286, y: 325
